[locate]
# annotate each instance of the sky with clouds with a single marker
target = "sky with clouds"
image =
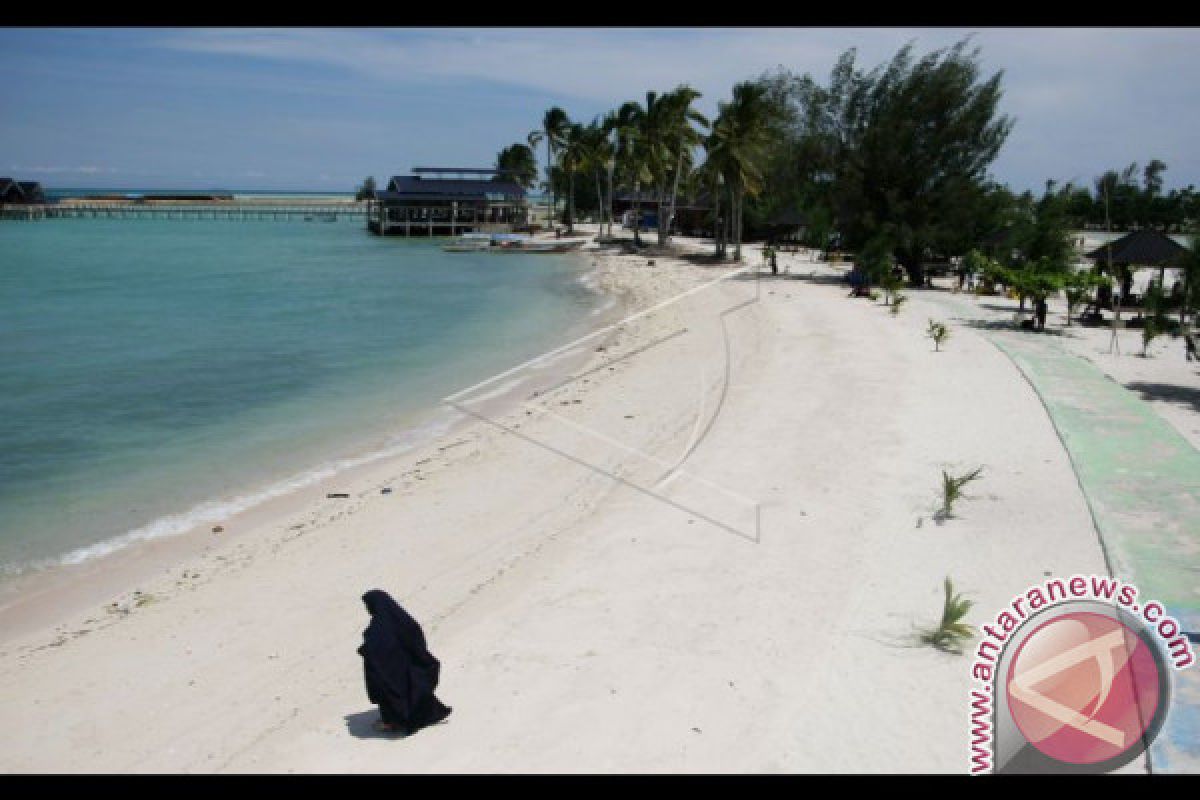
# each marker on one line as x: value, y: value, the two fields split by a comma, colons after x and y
x: 320, y: 109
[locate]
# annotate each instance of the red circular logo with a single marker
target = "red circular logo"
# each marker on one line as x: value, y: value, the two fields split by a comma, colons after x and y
x: 1084, y: 688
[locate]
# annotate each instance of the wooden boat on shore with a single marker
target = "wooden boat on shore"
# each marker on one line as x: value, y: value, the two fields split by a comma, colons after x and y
x: 469, y: 243
x: 540, y: 246
x: 511, y: 243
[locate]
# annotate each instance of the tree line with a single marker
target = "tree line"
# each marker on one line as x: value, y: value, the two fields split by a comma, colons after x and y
x: 658, y: 150
x: 892, y: 159
x: 890, y: 163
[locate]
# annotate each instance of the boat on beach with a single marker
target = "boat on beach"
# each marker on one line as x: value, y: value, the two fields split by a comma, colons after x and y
x: 552, y: 246
x: 469, y: 243
x: 511, y: 243
x: 522, y: 243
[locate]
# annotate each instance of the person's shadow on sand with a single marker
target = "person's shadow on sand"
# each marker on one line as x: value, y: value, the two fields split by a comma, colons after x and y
x: 362, y: 726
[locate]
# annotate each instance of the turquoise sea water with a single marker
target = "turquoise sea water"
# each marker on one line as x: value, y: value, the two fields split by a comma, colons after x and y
x: 151, y: 367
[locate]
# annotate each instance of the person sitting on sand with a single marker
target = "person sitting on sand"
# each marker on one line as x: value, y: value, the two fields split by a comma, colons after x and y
x: 400, y: 671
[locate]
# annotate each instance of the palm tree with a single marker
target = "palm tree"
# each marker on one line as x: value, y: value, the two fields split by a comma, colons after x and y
x: 656, y: 124
x: 573, y: 155
x: 609, y: 152
x: 598, y: 159
x: 367, y: 190
x: 555, y: 123
x: 710, y: 174
x: 519, y: 162
x: 738, y: 143
x: 681, y: 138
x: 631, y: 158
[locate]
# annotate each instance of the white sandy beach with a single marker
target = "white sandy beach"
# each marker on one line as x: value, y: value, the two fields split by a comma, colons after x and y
x: 596, y: 580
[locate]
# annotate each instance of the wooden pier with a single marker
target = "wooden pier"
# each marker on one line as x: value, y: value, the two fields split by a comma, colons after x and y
x: 332, y: 212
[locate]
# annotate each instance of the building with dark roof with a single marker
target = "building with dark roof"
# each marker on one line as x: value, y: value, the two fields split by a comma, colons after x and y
x: 1137, y: 250
x: 787, y: 226
x: 1141, y: 248
x: 447, y: 201
x: 21, y: 192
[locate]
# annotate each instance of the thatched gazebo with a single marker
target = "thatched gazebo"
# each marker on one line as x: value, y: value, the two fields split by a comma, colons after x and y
x: 787, y: 227
x: 1141, y: 248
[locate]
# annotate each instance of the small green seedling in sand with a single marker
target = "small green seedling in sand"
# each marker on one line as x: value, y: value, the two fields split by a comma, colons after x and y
x: 891, y: 286
x: 938, y: 332
x: 952, y: 491
x: 897, y: 301
x: 950, y: 635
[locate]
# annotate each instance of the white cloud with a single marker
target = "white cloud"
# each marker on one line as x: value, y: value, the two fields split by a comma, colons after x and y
x: 1043, y: 66
x: 56, y: 170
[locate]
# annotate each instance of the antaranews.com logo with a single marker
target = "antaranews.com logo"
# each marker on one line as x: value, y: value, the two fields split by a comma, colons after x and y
x: 1073, y: 676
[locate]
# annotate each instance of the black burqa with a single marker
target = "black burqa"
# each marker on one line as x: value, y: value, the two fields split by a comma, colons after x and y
x: 401, y: 673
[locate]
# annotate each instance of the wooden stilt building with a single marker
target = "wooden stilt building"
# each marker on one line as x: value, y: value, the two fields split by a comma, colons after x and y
x: 448, y: 201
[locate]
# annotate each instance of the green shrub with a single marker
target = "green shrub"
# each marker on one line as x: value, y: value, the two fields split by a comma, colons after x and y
x: 952, y: 490
x: 938, y: 332
x: 951, y: 633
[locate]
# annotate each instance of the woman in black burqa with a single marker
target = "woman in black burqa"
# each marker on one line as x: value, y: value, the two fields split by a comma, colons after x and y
x: 401, y: 672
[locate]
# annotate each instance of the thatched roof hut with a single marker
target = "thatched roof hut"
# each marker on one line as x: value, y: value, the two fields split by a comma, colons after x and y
x: 1142, y: 248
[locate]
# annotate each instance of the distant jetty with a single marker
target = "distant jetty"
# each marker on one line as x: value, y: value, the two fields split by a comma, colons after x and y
x: 199, y: 205
x: 20, y: 199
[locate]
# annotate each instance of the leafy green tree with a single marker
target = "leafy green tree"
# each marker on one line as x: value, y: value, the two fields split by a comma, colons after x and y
x: 1079, y: 286
x: 366, y: 191
x: 977, y: 265
x: 1037, y: 280
x: 737, y: 147
x: 682, y: 134
x: 1155, y: 322
x: 632, y: 156
x: 555, y: 123
x: 1191, y: 282
x: 799, y: 164
x: 520, y: 163
x: 903, y: 148
x: 1040, y: 259
x: 602, y: 161
x: 598, y: 160
x: 875, y: 259
x: 573, y: 155
x: 710, y: 176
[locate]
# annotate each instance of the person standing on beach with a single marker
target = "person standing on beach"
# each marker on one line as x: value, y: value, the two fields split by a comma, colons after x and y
x: 400, y: 671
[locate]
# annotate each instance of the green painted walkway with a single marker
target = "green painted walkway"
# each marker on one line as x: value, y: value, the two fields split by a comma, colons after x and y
x: 1140, y: 476
x: 1141, y: 479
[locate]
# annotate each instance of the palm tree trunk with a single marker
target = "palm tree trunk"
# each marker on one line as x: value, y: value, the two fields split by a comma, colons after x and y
x: 637, y: 215
x: 675, y: 190
x: 727, y: 224
x: 550, y: 184
x: 662, y: 230
x: 737, y: 225
x: 571, y: 201
x: 717, y: 222
x: 610, y: 199
x: 600, y: 202
x: 1183, y: 301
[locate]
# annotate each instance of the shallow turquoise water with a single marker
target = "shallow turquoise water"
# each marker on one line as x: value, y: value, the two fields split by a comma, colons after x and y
x: 147, y: 366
